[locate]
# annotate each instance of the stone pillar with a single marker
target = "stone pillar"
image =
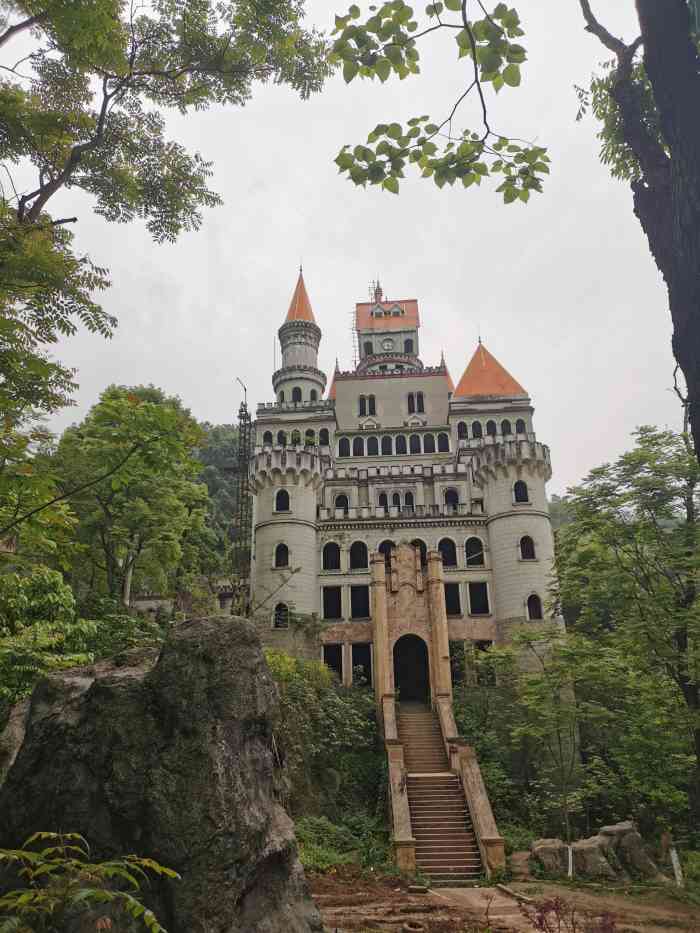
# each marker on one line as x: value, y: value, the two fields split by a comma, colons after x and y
x: 440, y: 641
x: 382, y: 681
x: 347, y: 664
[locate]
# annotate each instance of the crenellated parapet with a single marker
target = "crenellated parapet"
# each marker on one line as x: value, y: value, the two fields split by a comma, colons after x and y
x: 494, y: 461
x: 277, y: 466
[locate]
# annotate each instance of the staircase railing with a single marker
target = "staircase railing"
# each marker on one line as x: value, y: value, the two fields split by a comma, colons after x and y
x: 463, y: 761
x: 402, y: 832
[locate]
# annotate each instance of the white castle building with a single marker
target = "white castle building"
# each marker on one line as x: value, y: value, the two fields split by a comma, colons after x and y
x: 393, y: 453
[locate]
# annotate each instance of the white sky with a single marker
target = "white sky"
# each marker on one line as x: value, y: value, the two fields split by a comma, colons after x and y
x: 564, y: 289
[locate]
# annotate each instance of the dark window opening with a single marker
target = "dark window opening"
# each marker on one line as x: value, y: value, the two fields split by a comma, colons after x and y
x: 313, y: 395
x: 296, y: 438
x: 408, y: 501
x: 281, y: 556
x: 408, y: 346
x: 506, y: 427
x: 267, y: 437
x: 451, y: 499
x: 331, y: 556
x: 452, y: 600
x: 368, y: 348
x: 396, y: 500
x: 359, y: 602
x: 479, y: 599
x: 411, y: 403
x: 420, y: 405
x: 332, y: 605
x: 385, y: 548
x: 372, y: 447
x: 341, y: 502
x: 443, y: 443
x: 527, y: 548
x: 534, y: 607
x: 282, y: 438
x: 423, y: 548
x: 333, y: 658
x: 282, y: 501
x: 386, y: 446
x: 520, y: 427
x: 362, y: 405
x: 428, y: 444
x: 344, y: 447
x: 400, y: 444
x: 309, y: 437
x: 383, y: 500
x: 491, y: 428
x: 282, y: 397
x: 358, y: 447
x: 449, y: 552
x: 474, y: 551
x: 359, y: 557
x: 371, y: 405
x: 296, y: 394
x: 520, y: 491
x: 414, y: 443
x: 362, y: 664
x: 462, y: 432
x: 281, y: 617
x: 323, y: 437
x: 476, y: 429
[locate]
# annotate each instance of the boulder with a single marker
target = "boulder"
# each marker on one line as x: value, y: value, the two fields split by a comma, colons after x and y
x: 589, y: 858
x: 169, y: 754
x: 629, y: 850
x: 552, y: 855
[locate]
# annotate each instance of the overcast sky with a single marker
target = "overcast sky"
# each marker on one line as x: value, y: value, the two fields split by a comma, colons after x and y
x: 564, y: 290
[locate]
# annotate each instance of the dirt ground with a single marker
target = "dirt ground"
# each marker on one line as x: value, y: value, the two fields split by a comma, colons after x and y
x: 350, y: 901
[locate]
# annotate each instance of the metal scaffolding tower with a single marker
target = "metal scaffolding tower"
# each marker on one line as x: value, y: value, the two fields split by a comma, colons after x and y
x: 243, y: 531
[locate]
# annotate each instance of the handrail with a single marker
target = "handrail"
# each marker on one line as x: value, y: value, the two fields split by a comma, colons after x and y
x: 402, y: 831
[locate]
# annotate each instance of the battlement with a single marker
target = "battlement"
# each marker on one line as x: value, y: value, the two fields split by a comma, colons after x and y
x: 497, y: 456
x: 417, y: 512
x: 355, y: 474
x: 276, y: 408
x: 268, y: 461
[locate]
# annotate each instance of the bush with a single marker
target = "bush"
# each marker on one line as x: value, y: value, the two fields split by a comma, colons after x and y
x: 518, y: 838
x: 360, y: 839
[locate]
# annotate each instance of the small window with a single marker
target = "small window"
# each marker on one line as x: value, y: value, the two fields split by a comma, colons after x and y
x: 449, y: 552
x: 296, y: 394
x: 408, y: 345
x: 527, y: 548
x: 423, y: 548
x: 359, y: 557
x: 491, y: 428
x: 443, y: 443
x: 362, y: 664
x: 400, y: 444
x: 358, y: 447
x: 506, y: 428
x: 474, y: 552
x: 296, y: 438
x: 476, y: 429
x: 520, y: 491
x: 479, y: 599
x: 332, y: 603
x: 359, y: 602
x: 428, y: 444
x: 372, y: 447
x: 323, y: 438
x: 411, y: 403
x: 331, y: 556
x: 267, y: 438
x: 520, y: 427
x: 420, y: 405
x: 452, y: 600
x: 462, y: 431
x: 281, y: 616
x: 385, y: 548
x: 368, y: 348
x: 310, y: 437
x: 396, y: 500
x: 414, y: 444
x: 534, y: 607
x: 282, y: 398
x: 333, y: 658
x: 313, y: 395
x: 383, y: 500
x: 371, y: 405
x: 451, y: 500
x: 282, y: 438
x: 282, y: 501
x: 341, y: 502
x: 386, y: 446
x: 344, y: 447
x: 281, y: 556
x: 362, y: 406
x: 408, y: 501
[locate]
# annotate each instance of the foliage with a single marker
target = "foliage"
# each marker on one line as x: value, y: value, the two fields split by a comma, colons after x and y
x: 555, y: 915
x: 61, y: 883
x: 359, y: 838
x: 386, y: 43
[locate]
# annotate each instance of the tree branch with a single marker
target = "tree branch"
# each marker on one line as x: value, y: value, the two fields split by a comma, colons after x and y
x: 20, y: 27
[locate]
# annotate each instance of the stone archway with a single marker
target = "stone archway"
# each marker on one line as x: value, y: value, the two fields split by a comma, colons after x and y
x: 412, y: 669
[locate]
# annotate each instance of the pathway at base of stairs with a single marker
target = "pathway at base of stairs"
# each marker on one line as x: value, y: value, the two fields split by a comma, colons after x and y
x: 492, y: 908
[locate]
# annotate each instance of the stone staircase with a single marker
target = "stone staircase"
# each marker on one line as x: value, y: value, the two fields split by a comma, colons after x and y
x: 446, y: 847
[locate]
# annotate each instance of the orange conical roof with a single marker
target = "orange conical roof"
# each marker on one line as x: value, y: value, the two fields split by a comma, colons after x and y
x: 484, y: 375
x: 300, y: 307
x: 448, y: 377
x: 331, y: 389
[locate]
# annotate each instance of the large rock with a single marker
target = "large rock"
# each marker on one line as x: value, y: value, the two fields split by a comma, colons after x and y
x: 168, y: 754
x: 552, y: 854
x: 589, y: 858
x: 628, y: 848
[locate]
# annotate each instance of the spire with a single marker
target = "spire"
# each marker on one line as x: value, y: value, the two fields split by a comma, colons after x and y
x: 300, y: 306
x: 331, y: 390
x: 484, y: 376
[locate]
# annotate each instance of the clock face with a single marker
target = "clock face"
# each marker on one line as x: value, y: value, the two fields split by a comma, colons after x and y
x: 388, y: 343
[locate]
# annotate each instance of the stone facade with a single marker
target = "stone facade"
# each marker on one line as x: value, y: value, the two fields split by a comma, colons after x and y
x: 394, y: 455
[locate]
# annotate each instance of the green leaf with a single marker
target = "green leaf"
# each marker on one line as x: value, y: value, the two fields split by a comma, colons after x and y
x: 383, y: 68
x: 391, y: 184
x: 354, y: 11
x: 394, y: 131
x: 511, y: 75
x: 350, y: 69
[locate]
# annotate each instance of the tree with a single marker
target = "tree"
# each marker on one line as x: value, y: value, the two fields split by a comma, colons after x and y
x: 134, y: 519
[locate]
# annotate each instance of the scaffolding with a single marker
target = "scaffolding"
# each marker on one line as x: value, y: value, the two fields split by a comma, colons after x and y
x: 243, y: 530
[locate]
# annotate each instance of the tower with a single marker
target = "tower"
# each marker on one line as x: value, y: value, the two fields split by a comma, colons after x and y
x: 387, y: 333
x: 299, y: 379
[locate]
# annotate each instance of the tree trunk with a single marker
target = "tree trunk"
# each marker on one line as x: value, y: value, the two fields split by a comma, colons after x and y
x: 126, y: 583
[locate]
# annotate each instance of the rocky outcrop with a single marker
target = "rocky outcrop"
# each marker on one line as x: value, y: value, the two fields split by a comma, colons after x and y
x: 552, y: 855
x: 168, y: 754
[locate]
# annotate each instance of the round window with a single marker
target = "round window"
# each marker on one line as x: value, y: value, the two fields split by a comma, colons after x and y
x: 388, y: 343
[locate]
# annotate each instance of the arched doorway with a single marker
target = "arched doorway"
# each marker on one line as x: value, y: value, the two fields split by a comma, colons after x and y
x: 411, y: 669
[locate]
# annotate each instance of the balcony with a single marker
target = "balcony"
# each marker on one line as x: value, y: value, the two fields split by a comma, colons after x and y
x: 393, y: 512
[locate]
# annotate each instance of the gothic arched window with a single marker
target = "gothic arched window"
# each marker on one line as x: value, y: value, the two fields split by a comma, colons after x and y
x: 383, y: 500
x: 506, y: 427
x: 408, y: 501
x: 362, y: 406
x: 476, y: 429
x: 400, y: 444
x: 309, y: 437
x: 281, y: 556
x: 282, y: 438
x: 344, y: 447
x: 534, y: 607
x: 451, y: 500
x: 359, y: 558
x: 341, y: 502
x: 449, y: 552
x: 428, y: 444
x: 414, y: 443
x: 520, y: 427
x: 296, y: 438
x: 443, y: 443
x: 372, y: 447
x: 520, y: 491
x: 408, y: 345
x: 323, y: 438
x: 491, y: 428
x: 396, y: 500
x: 474, y: 552
x: 420, y: 404
x: 527, y: 548
x: 385, y: 548
x: 282, y: 501
x: 281, y: 616
x: 423, y: 548
x: 462, y: 431
x: 371, y: 405
x: 411, y: 403
x: 358, y: 447
x: 386, y: 446
x: 313, y: 395
x: 296, y: 394
x: 267, y: 438
x: 331, y: 556
x: 368, y: 348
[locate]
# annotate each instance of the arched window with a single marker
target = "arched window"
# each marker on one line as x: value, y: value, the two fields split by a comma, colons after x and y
x: 411, y: 403
x: 506, y: 427
x: 282, y: 501
x: 385, y: 548
x: 282, y: 398
x: 386, y: 446
x: 423, y: 548
x: 396, y: 500
x: 281, y: 617
x: 400, y: 444
x: 358, y: 447
x: 296, y: 394
x: 527, y: 548
x: 414, y: 443
x: 359, y: 558
x: 267, y: 438
x: 296, y: 438
x: 310, y: 437
x: 520, y: 491
x: 408, y: 501
x: 474, y: 552
x: 281, y: 556
x: 449, y: 552
x: 443, y: 443
x: 282, y: 438
x: 476, y: 429
x: 368, y: 348
x: 428, y: 444
x: 383, y: 500
x: 343, y: 447
x: 313, y: 395
x: 341, y: 502
x: 451, y: 500
x: 520, y: 427
x: 491, y: 428
x: 331, y: 556
x: 362, y: 406
x: 371, y: 405
x: 408, y: 345
x: 372, y: 447
x: 462, y: 433
x: 420, y: 404
x: 534, y: 607
x: 323, y: 438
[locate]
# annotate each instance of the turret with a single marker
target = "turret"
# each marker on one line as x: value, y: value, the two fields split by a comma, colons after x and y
x: 299, y: 379
x: 387, y: 333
